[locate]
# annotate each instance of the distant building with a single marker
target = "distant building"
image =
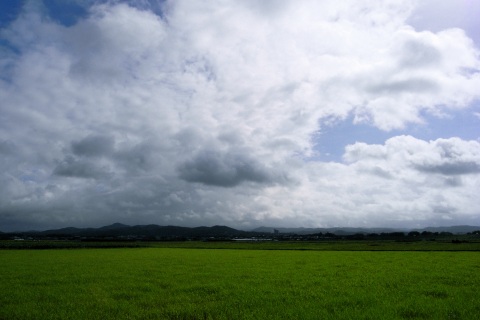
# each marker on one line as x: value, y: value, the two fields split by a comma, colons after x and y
x: 276, y: 232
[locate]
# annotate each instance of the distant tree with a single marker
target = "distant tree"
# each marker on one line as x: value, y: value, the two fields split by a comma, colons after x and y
x: 398, y: 234
x: 357, y: 236
x: 392, y: 235
x: 444, y: 234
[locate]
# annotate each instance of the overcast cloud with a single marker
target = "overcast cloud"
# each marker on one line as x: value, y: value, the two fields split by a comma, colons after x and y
x: 200, y: 113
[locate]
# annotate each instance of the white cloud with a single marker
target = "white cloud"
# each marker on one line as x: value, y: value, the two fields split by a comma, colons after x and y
x: 207, y: 112
x: 405, y: 181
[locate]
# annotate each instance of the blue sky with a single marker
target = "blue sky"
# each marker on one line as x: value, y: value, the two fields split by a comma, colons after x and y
x: 463, y: 124
x: 66, y: 13
x: 279, y: 113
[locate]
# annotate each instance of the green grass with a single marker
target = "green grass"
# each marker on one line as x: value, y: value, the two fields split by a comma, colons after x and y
x: 174, y: 283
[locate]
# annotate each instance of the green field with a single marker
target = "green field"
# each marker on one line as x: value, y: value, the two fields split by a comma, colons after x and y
x: 181, y: 283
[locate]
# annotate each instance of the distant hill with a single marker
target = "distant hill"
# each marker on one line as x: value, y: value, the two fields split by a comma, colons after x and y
x: 68, y: 230
x: 335, y: 230
x: 151, y: 230
x: 452, y: 229
x: 115, y: 226
x: 351, y: 231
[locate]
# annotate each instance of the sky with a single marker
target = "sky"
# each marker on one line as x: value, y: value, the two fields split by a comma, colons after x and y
x: 282, y: 113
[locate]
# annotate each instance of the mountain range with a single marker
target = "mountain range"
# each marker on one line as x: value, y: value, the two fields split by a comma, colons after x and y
x: 151, y: 230
x: 162, y: 232
x: 349, y: 230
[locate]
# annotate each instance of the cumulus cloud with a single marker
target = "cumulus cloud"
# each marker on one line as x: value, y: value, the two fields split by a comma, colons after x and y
x: 442, y: 156
x: 384, y: 183
x: 451, y: 157
x: 197, y: 113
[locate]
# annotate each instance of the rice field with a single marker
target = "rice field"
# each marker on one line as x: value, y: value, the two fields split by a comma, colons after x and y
x: 182, y: 283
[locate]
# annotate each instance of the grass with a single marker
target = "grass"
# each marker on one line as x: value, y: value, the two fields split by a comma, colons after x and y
x: 174, y: 283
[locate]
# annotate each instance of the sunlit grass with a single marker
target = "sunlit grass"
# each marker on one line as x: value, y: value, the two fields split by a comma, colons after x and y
x: 164, y: 283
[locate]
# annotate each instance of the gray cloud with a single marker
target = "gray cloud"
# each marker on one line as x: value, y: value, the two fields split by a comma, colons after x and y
x: 92, y: 146
x: 71, y: 167
x: 418, y: 54
x: 141, y: 157
x: 380, y: 172
x: 7, y: 147
x: 455, y: 168
x: 409, y: 85
x: 223, y: 169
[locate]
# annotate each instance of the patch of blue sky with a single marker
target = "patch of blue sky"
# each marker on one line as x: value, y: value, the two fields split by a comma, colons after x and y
x: 464, y: 124
x: 9, y: 10
x: 68, y: 12
x: 331, y: 142
x: 65, y: 12
x: 155, y: 6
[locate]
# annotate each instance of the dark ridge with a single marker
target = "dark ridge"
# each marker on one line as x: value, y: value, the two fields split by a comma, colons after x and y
x: 350, y: 231
x: 115, y: 226
x: 119, y: 231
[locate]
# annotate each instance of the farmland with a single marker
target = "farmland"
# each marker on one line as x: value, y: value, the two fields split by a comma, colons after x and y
x: 185, y: 283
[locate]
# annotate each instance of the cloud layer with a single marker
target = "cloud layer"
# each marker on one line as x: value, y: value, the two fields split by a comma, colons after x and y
x: 198, y: 114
